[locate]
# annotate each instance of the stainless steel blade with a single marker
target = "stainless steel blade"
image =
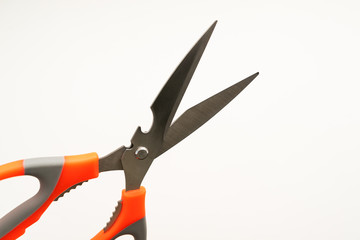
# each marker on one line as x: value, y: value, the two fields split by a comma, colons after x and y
x: 199, y: 114
x: 145, y: 146
x: 112, y: 161
x: 169, y: 98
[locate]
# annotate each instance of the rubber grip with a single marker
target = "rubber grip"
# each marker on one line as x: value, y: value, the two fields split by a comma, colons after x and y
x: 131, y: 218
x: 55, y: 174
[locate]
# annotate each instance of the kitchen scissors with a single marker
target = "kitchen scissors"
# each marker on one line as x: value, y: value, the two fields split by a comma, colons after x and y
x: 58, y: 175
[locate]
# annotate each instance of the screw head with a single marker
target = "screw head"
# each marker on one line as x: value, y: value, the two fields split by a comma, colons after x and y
x: 141, y: 153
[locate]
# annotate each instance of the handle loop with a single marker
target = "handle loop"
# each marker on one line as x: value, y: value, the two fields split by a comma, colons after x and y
x: 55, y: 174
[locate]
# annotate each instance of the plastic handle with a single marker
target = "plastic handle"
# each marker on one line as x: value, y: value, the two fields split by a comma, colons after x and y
x: 128, y: 218
x: 56, y: 174
x: 13, y: 169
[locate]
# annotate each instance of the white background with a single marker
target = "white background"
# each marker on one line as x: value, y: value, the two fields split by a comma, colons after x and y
x: 280, y: 162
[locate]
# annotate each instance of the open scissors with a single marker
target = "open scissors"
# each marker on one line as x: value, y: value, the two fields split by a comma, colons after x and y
x: 58, y: 175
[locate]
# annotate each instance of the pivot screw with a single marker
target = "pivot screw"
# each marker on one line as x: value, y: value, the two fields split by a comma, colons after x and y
x: 141, y: 153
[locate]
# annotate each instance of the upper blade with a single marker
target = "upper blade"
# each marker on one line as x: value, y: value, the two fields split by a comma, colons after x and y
x: 163, y: 108
x: 199, y: 114
x: 168, y: 100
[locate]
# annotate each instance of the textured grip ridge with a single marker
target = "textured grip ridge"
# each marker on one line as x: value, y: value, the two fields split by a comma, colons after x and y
x: 69, y: 189
x: 128, y: 217
x: 114, y: 216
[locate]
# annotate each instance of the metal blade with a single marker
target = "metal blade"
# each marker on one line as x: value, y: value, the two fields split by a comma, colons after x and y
x: 199, y: 114
x: 112, y: 161
x: 146, y: 145
x: 168, y: 100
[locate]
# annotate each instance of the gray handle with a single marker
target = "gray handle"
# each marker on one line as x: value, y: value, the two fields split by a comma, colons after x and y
x: 47, y: 171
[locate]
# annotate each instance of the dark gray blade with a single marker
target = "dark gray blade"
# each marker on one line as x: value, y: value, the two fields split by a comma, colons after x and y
x: 199, y: 114
x: 112, y: 161
x: 168, y: 100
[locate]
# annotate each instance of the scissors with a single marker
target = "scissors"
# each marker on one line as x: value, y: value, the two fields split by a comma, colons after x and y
x: 58, y: 175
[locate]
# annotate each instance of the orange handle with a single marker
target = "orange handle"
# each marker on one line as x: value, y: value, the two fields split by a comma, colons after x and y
x: 12, y: 169
x: 129, y: 217
x: 55, y: 174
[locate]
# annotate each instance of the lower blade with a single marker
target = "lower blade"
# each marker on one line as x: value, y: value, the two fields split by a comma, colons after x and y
x: 199, y: 114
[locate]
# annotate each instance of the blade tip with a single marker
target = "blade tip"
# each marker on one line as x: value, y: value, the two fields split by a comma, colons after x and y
x: 214, y: 24
x: 249, y: 79
x: 252, y: 77
x: 212, y: 27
